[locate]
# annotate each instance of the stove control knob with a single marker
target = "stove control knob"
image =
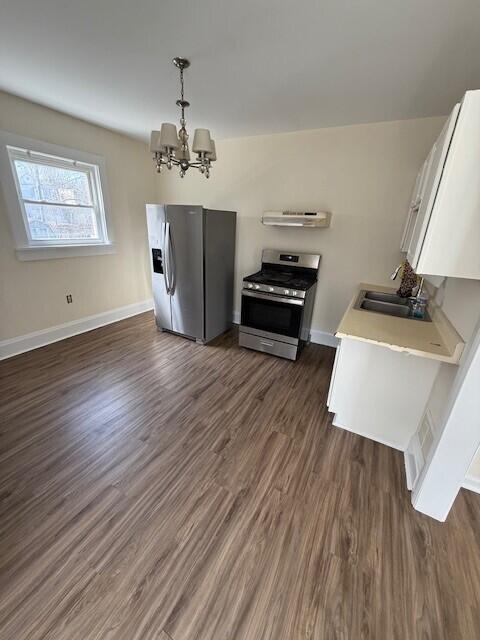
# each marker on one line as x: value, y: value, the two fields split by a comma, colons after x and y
x: 286, y: 292
x: 271, y: 289
x: 257, y: 286
x: 294, y: 293
x: 250, y: 285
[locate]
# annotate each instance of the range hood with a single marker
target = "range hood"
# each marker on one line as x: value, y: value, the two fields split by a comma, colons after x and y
x: 297, y: 218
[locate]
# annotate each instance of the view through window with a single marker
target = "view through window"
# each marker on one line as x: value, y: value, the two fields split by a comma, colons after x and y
x: 60, y: 198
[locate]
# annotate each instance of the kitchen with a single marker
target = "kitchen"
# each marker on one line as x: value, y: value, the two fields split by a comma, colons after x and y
x: 447, y: 251
x: 293, y: 475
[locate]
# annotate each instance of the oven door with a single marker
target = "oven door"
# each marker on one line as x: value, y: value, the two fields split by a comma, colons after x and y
x: 272, y: 314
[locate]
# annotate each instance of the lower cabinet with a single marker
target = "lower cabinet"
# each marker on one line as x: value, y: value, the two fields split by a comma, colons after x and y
x: 379, y: 393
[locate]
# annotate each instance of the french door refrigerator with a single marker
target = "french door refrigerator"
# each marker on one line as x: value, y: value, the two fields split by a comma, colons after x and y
x: 192, y: 251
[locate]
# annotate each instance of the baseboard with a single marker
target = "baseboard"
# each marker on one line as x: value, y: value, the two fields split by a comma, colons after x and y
x: 414, y: 461
x: 324, y: 337
x: 29, y: 341
x: 317, y: 336
x: 370, y: 436
x: 36, y: 339
x: 472, y: 484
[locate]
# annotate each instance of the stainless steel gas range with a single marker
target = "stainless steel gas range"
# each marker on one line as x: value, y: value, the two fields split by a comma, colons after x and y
x: 277, y: 303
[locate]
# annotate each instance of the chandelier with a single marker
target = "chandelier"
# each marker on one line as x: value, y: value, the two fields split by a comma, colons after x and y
x: 171, y: 149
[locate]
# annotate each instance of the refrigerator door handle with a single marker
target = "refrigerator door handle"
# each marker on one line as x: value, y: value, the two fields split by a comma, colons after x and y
x: 166, y: 251
x: 171, y: 262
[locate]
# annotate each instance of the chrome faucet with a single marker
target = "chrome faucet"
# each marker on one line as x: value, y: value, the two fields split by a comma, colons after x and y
x: 395, y: 273
x: 420, y: 287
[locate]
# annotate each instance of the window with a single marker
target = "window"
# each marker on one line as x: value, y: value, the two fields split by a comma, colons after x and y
x: 59, y: 207
x: 61, y: 199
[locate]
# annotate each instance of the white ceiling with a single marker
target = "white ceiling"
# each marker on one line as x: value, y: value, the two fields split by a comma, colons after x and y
x: 258, y: 66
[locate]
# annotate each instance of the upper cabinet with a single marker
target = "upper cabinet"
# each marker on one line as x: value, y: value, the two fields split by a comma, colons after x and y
x: 442, y: 232
x: 417, y: 196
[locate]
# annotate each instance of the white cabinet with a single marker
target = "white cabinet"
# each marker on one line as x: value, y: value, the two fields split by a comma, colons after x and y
x: 442, y: 233
x: 436, y: 162
x: 379, y: 393
x: 417, y: 196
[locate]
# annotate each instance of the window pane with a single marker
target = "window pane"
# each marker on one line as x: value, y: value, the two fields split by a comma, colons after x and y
x: 55, y: 184
x: 54, y: 222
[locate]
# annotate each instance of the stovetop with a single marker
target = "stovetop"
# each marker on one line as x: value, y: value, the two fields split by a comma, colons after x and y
x: 284, y: 274
x: 289, y: 279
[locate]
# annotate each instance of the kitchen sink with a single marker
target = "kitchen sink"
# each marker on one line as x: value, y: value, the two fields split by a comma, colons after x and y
x: 388, y: 304
x: 386, y: 297
x: 388, y: 309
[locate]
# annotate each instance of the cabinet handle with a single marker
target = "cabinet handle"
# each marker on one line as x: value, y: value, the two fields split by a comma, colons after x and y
x: 415, y: 206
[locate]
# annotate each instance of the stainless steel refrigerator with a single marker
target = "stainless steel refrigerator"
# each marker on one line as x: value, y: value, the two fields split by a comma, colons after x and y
x: 192, y: 252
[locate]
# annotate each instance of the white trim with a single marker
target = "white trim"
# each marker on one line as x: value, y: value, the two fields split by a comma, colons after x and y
x: 365, y: 434
x: 70, y: 251
x: 414, y: 461
x: 29, y: 341
x: 410, y: 469
x: 14, y: 207
x: 472, y: 483
x: 458, y: 439
x: 317, y: 336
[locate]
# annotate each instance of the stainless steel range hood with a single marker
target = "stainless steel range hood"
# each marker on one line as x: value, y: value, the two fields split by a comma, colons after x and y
x: 297, y: 218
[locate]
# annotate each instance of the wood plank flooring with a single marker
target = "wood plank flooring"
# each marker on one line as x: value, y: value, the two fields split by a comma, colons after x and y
x: 154, y: 489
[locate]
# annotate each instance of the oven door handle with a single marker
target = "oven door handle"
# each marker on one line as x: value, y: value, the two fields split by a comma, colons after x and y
x: 268, y: 296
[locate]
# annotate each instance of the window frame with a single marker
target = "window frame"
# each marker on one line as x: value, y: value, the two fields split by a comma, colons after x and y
x: 14, y: 147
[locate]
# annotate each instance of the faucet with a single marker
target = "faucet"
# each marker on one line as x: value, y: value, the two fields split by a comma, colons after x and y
x: 395, y: 273
x: 420, y: 287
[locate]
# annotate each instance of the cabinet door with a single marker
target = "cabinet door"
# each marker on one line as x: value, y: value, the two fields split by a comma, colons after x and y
x: 438, y: 155
x: 414, y: 205
x: 451, y: 245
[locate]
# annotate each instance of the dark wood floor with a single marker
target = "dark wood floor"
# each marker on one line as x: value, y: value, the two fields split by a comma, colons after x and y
x: 155, y: 489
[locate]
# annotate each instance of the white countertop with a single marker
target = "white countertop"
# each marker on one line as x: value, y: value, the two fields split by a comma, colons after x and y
x: 437, y: 340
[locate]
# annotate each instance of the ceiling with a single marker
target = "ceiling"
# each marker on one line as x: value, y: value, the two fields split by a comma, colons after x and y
x: 258, y: 66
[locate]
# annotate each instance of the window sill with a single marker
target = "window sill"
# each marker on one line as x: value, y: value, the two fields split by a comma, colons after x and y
x: 63, y: 251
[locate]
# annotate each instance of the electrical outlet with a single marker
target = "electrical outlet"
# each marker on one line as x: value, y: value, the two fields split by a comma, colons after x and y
x: 69, y: 298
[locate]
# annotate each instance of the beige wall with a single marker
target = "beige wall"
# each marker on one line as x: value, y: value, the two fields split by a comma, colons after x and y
x: 460, y: 300
x: 364, y: 174
x: 32, y: 294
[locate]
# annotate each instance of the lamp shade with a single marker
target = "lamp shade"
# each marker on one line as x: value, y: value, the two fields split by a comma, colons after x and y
x: 168, y: 136
x: 180, y: 154
x: 201, y: 141
x: 212, y: 154
x: 155, y: 142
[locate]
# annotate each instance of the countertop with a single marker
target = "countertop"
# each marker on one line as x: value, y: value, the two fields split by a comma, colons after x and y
x: 437, y: 340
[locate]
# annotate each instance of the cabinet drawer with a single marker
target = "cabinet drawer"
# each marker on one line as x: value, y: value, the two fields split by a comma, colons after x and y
x: 274, y: 347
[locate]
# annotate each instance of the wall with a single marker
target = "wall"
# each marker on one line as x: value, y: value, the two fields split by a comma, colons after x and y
x: 364, y: 174
x: 32, y: 294
x: 460, y: 299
